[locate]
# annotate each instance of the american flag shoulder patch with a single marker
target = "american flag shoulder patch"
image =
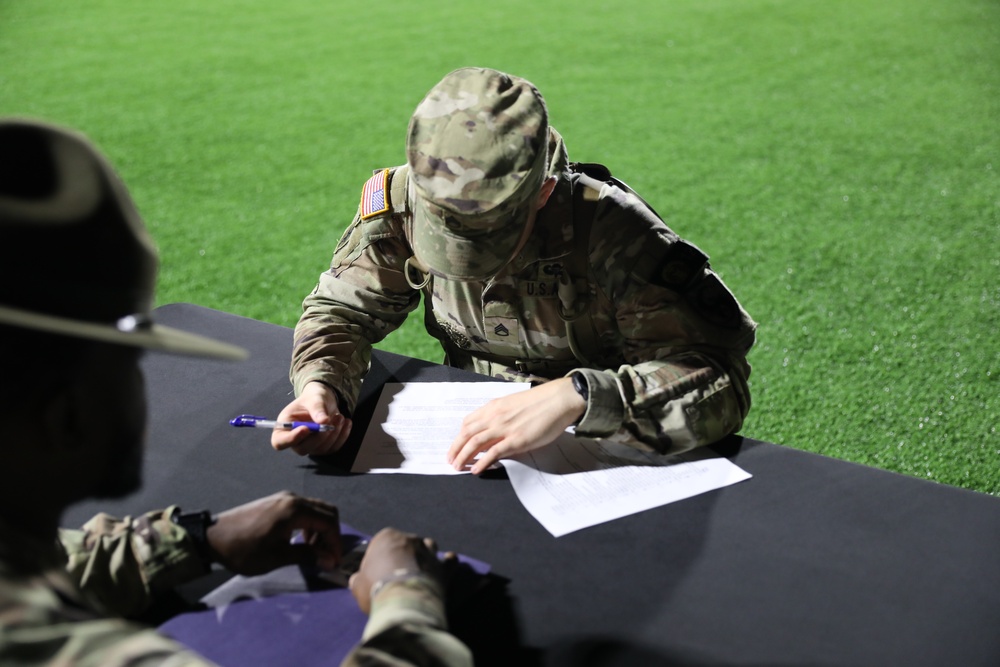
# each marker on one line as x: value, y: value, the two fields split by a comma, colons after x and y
x: 375, y: 195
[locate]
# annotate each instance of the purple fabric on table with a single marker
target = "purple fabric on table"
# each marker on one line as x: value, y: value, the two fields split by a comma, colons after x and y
x: 286, y: 616
x: 303, y: 629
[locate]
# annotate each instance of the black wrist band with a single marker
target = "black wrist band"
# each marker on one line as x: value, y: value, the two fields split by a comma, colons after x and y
x: 581, y: 387
x: 196, y: 525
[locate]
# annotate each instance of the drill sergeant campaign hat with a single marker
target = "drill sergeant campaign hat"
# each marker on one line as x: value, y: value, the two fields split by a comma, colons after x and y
x: 75, y: 257
x: 476, y: 150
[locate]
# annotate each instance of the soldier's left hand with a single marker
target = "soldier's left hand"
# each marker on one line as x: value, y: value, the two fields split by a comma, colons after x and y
x: 515, y: 424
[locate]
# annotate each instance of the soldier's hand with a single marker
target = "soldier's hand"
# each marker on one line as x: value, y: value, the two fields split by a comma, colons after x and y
x: 317, y: 403
x: 256, y: 537
x: 515, y: 424
x: 393, y: 555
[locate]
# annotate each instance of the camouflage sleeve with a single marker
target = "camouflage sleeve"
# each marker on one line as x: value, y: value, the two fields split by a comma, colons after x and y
x: 123, y: 563
x: 407, y: 627
x: 362, y: 298
x: 683, y: 335
x: 62, y: 637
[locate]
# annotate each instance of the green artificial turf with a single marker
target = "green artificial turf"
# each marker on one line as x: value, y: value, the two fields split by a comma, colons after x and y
x: 837, y: 159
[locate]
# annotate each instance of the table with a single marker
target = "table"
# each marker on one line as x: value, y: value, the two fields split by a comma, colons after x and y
x: 813, y: 561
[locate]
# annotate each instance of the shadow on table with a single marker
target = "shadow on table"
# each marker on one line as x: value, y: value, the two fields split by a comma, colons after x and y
x: 487, y: 623
x: 608, y: 652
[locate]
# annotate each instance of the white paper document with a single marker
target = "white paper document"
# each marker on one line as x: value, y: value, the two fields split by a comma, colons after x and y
x: 574, y: 483
x: 567, y: 485
x: 415, y: 423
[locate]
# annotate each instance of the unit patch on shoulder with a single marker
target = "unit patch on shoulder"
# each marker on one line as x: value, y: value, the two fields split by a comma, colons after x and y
x: 375, y: 195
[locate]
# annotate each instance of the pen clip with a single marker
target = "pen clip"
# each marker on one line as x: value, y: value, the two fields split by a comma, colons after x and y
x: 246, y: 420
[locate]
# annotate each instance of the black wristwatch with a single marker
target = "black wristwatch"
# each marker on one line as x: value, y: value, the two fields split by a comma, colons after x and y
x: 581, y: 387
x: 196, y: 525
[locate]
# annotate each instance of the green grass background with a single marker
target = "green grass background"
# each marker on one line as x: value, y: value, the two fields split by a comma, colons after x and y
x: 837, y: 159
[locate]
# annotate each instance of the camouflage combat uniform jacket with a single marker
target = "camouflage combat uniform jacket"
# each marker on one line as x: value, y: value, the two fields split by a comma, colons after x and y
x: 662, y: 342
x: 64, y: 603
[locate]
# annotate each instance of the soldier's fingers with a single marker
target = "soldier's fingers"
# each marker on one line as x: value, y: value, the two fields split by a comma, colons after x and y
x: 501, y: 448
x: 476, y: 444
x: 315, y: 514
x: 488, y: 458
x: 457, y: 444
x: 282, y: 440
x: 316, y: 444
x: 323, y: 537
x: 471, y: 429
x: 455, y: 447
x: 461, y: 450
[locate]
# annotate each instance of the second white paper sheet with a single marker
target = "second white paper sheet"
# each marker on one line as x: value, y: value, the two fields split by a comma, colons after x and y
x: 575, y: 483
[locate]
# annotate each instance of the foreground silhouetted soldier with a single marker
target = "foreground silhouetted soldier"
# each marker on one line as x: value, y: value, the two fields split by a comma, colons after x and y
x: 77, y: 272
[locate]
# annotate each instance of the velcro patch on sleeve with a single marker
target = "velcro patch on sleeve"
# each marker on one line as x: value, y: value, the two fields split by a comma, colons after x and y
x: 375, y: 195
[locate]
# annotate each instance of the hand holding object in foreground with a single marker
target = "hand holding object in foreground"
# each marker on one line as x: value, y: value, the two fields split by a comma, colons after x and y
x: 256, y: 537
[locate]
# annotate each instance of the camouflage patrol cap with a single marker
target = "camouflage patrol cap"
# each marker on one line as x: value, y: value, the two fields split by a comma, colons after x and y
x: 75, y: 258
x: 476, y: 150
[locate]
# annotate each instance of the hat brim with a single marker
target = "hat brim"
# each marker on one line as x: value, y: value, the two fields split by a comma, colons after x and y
x: 152, y: 337
x: 458, y: 257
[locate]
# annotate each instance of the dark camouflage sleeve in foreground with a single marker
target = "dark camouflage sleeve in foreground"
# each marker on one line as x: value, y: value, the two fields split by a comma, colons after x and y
x: 407, y: 627
x: 123, y: 563
x: 45, y: 619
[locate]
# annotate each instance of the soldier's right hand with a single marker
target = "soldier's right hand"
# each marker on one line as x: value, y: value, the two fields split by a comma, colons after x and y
x: 393, y: 555
x: 317, y: 403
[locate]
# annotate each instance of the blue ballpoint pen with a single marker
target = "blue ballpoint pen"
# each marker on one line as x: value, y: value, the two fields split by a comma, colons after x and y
x: 252, y: 421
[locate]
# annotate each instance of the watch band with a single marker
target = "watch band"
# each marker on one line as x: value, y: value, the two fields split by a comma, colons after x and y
x: 196, y: 525
x: 582, y: 388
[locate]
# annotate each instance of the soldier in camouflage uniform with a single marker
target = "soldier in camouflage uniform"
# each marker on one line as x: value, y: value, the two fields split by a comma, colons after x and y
x: 533, y: 269
x: 77, y: 270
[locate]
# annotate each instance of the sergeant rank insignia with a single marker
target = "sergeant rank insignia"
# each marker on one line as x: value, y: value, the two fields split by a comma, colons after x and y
x: 375, y: 195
